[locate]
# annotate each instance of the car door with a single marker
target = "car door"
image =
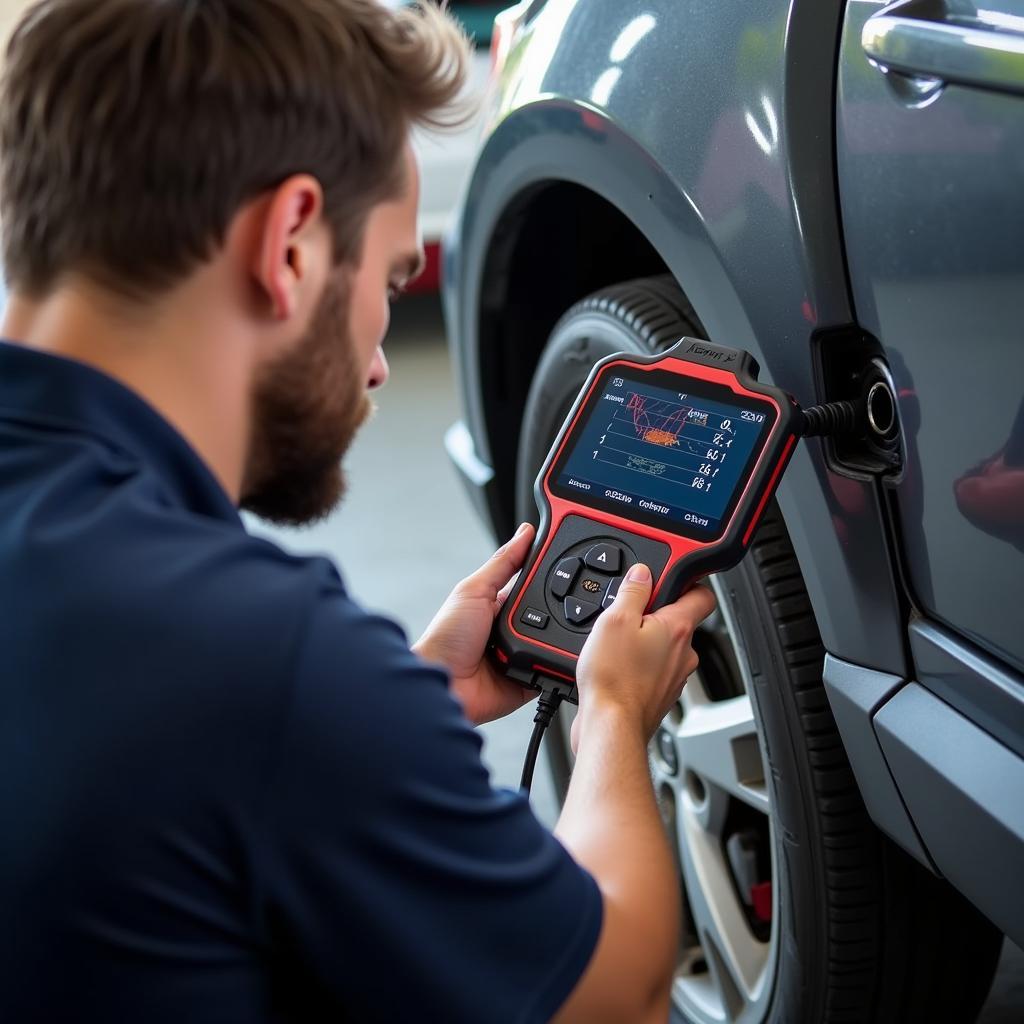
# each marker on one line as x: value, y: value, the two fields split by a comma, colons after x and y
x: 930, y: 159
x: 930, y: 127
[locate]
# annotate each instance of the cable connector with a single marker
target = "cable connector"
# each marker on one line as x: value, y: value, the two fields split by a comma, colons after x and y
x: 834, y: 419
x: 547, y: 707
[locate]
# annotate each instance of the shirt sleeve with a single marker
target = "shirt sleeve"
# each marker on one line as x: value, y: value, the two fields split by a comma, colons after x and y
x: 406, y: 884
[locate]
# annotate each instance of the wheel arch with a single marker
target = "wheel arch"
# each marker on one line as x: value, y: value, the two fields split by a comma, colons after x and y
x: 593, y: 208
x: 526, y: 296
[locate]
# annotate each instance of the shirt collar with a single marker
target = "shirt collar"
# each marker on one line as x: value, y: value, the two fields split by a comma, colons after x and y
x: 57, y: 392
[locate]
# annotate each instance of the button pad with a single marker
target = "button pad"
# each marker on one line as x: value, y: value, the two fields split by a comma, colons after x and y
x: 577, y: 588
x: 604, y: 558
x: 564, y: 576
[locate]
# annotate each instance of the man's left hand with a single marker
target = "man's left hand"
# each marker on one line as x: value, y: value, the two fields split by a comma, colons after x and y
x: 457, y: 637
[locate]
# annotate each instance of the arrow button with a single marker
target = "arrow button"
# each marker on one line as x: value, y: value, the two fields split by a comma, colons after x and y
x: 564, y: 576
x: 613, y: 590
x: 578, y: 611
x: 605, y: 558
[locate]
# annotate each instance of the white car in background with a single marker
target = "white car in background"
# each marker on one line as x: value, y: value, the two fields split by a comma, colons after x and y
x: 446, y: 157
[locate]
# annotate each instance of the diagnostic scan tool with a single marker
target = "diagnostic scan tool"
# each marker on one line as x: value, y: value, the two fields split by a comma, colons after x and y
x: 669, y: 460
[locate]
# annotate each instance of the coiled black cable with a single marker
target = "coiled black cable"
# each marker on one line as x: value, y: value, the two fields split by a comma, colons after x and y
x: 832, y: 419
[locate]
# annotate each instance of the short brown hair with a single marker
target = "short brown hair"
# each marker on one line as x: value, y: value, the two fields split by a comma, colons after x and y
x: 132, y: 131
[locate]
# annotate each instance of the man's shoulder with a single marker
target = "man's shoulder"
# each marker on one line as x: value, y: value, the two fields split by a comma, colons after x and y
x: 282, y: 615
x: 190, y: 595
x: 229, y: 589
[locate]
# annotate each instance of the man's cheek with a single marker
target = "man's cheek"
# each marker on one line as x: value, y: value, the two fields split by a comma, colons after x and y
x: 370, y: 320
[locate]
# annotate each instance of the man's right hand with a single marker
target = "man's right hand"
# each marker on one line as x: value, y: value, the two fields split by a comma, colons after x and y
x: 637, y: 664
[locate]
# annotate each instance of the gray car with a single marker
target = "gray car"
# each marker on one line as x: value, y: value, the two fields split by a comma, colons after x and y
x: 835, y: 186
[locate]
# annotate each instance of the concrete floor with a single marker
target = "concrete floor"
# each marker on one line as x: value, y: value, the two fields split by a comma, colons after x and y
x: 407, y: 533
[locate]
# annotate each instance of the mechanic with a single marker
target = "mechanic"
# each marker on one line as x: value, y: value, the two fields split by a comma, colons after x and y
x: 229, y: 793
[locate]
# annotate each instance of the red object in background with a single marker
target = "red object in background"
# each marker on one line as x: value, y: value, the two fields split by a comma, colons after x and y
x: 430, y: 279
x: 761, y: 897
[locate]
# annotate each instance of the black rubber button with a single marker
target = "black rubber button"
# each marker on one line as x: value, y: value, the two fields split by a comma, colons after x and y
x: 564, y: 576
x: 613, y: 589
x: 605, y: 558
x: 532, y: 617
x: 578, y: 611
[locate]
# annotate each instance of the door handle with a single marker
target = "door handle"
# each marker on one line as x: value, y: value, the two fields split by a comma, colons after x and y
x: 952, y: 42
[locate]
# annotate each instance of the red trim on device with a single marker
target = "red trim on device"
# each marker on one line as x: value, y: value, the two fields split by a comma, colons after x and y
x: 552, y: 672
x: 783, y: 459
x: 679, y: 546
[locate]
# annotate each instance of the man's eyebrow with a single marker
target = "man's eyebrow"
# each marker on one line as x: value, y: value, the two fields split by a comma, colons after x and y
x: 410, y: 265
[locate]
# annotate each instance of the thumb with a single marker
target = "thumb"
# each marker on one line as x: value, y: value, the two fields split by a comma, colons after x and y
x: 634, y: 591
x: 499, y: 569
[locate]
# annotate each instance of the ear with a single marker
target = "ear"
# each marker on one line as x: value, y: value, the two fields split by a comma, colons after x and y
x: 289, y: 243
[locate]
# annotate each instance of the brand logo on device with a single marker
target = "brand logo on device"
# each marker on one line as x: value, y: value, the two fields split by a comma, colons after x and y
x: 712, y: 353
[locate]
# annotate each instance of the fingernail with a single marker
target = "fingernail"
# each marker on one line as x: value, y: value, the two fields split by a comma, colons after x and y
x: 522, y: 529
x: 639, y: 573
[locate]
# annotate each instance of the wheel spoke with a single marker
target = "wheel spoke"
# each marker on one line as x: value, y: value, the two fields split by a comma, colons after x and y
x: 734, y: 955
x: 694, y: 693
x: 717, y: 741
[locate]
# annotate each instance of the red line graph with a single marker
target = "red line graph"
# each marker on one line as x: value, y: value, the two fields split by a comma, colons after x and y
x: 657, y: 428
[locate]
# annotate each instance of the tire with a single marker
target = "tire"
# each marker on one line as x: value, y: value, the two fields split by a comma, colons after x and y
x: 796, y: 908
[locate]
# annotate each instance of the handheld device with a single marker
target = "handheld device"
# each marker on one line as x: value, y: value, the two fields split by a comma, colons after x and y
x: 667, y: 459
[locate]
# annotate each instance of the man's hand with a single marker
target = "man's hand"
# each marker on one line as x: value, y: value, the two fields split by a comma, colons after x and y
x: 457, y: 637
x: 639, y: 662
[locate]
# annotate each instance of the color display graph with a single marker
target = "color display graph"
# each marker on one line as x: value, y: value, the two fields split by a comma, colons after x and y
x: 679, y: 443
x: 664, y: 453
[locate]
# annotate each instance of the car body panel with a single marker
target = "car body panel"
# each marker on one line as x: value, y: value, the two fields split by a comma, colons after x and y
x: 737, y: 201
x: 855, y: 695
x: 934, y: 226
x: 968, y: 807
x: 973, y: 682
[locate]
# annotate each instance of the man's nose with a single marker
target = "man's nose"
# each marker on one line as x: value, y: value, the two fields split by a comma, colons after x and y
x: 379, y: 371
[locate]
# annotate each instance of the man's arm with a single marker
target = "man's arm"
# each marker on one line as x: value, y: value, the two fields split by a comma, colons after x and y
x: 632, y: 670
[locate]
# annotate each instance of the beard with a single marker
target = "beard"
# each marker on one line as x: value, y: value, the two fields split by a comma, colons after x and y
x: 307, y: 408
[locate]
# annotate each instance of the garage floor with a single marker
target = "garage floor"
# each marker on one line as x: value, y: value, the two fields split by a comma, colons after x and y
x: 407, y: 533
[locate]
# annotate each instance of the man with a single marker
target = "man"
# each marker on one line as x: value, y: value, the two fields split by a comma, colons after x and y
x: 229, y: 794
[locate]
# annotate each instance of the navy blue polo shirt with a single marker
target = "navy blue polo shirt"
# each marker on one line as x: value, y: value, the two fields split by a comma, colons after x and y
x: 228, y: 794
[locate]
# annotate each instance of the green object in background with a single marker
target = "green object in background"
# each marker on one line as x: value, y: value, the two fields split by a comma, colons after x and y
x: 478, y: 20
x: 476, y: 16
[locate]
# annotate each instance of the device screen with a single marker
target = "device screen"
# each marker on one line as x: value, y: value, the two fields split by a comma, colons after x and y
x: 663, y: 449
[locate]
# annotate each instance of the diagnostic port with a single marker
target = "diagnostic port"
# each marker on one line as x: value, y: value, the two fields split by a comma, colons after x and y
x: 852, y: 371
x: 881, y: 409
x: 882, y: 434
